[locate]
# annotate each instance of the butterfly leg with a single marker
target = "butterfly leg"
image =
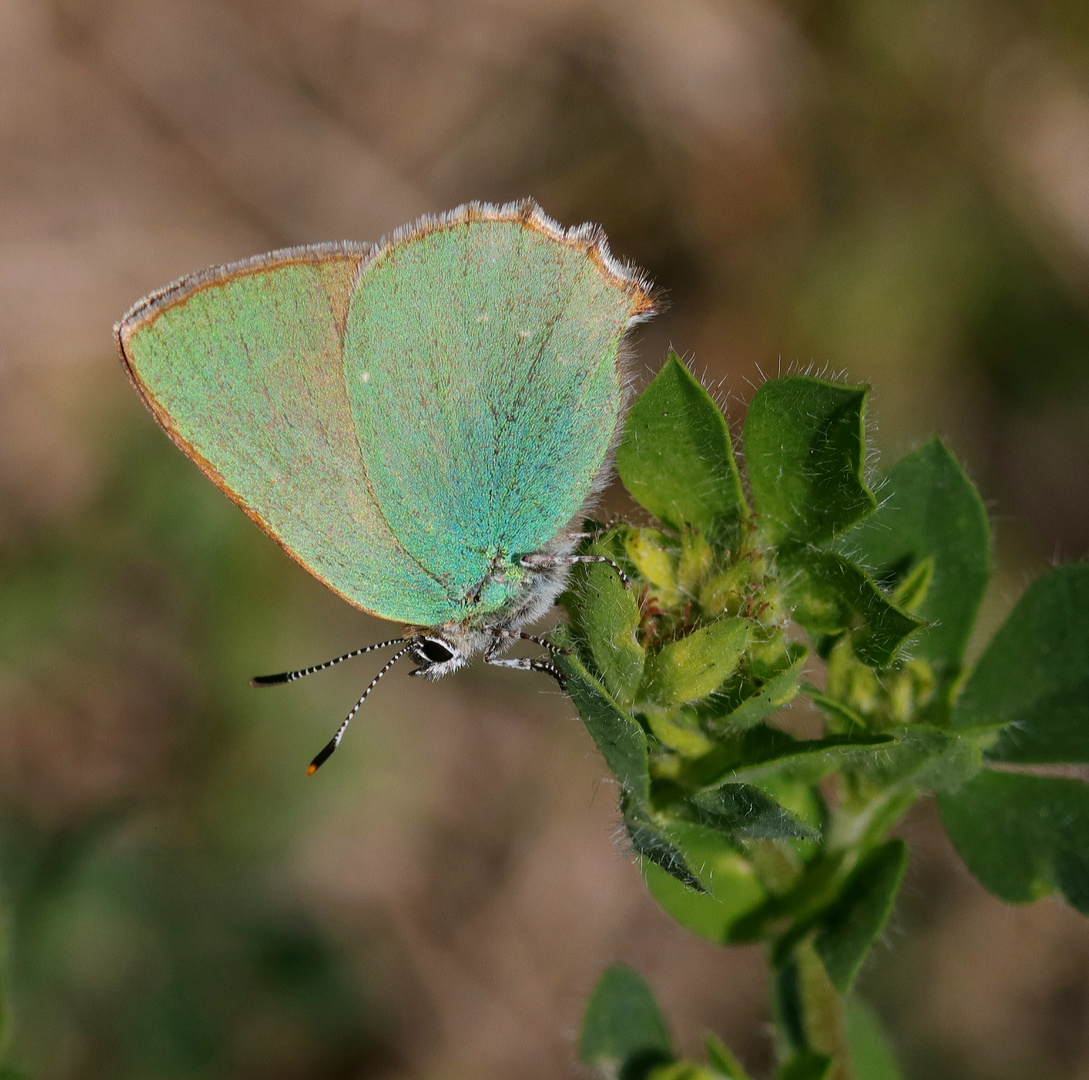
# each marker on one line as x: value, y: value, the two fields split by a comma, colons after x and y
x: 515, y: 635
x: 547, y: 562
x: 521, y: 663
x: 594, y: 533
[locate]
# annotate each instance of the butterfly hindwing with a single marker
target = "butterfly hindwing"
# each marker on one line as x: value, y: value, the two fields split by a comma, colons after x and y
x: 482, y: 364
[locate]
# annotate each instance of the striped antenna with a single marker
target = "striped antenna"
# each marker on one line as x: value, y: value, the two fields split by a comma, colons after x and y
x: 334, y: 742
x: 291, y: 676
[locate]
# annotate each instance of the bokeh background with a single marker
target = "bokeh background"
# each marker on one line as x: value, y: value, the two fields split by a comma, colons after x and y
x: 895, y: 189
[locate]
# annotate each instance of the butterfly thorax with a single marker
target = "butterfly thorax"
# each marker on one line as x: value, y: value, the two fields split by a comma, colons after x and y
x: 508, y: 597
x: 500, y: 588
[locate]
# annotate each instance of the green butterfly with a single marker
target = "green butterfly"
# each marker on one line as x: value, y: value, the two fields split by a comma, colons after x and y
x: 420, y: 422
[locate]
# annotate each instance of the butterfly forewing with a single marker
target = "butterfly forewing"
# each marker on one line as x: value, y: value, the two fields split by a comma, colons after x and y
x: 243, y: 367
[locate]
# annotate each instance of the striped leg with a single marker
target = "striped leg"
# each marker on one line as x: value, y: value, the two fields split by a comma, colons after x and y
x: 547, y: 562
x: 593, y: 534
x: 514, y: 635
x: 519, y: 663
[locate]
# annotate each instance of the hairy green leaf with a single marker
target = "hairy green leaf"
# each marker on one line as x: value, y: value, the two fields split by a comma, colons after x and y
x: 605, y: 615
x: 680, y: 729
x: 697, y: 664
x: 804, y: 447
x: 831, y: 595
x: 746, y: 812
x: 931, y: 524
x: 745, y: 701
x: 622, y: 742
x: 650, y: 842
x: 676, y: 459
x: 925, y: 757
x: 761, y: 751
x: 850, y: 926
x: 1034, y: 675
x: 1024, y: 837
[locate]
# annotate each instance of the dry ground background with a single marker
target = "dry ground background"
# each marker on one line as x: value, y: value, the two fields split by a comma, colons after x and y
x: 894, y: 188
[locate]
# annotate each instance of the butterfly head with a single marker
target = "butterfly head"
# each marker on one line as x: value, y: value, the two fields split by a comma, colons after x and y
x: 438, y: 652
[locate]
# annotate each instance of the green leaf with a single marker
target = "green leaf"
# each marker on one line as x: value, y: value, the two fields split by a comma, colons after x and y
x: 696, y: 665
x: 746, y: 812
x: 1034, y: 676
x: 732, y: 889
x: 830, y: 594
x: 679, y: 729
x: 682, y: 1070
x: 809, y: 1010
x: 622, y: 1025
x: 908, y: 592
x: 850, y: 926
x: 804, y: 446
x: 871, y: 1054
x: 930, y: 513
x: 761, y: 751
x: 676, y: 459
x: 622, y: 742
x: 723, y: 1061
x: 605, y: 616
x: 1024, y: 837
x: 806, y: 1066
x: 838, y: 712
x: 744, y: 702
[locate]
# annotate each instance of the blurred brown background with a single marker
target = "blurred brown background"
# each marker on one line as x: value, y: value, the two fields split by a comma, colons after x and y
x: 897, y: 189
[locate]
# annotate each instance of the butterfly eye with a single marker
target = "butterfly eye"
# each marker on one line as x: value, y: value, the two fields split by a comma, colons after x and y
x: 436, y: 651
